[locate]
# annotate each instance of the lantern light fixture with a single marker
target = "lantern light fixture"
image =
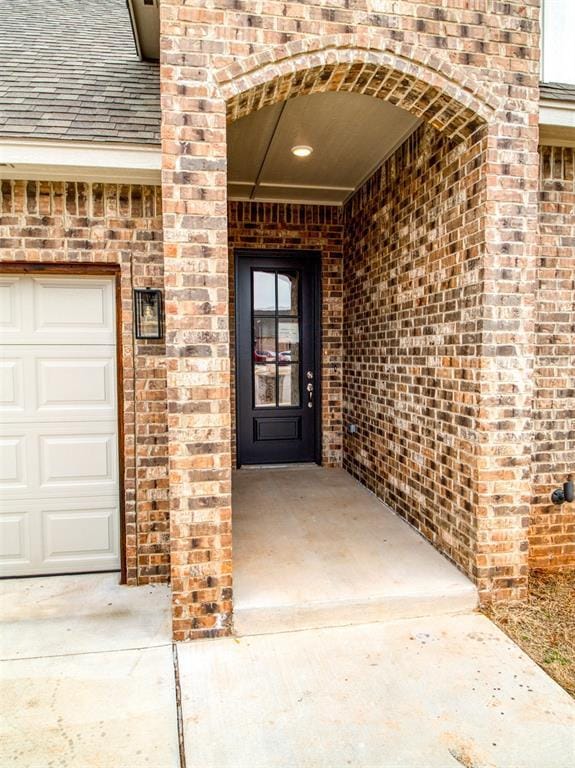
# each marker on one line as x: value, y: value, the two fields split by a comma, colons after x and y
x: 149, y: 321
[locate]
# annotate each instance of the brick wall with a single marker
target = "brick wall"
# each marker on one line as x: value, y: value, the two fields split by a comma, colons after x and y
x: 301, y: 227
x: 552, y: 532
x: 460, y: 67
x: 80, y: 223
x: 412, y: 302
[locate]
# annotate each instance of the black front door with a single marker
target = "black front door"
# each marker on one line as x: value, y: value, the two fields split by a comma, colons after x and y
x: 277, y: 301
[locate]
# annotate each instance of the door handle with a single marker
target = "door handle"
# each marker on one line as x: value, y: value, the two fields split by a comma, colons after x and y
x: 310, y: 393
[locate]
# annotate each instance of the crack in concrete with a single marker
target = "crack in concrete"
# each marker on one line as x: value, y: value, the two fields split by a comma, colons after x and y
x: 84, y: 653
x: 179, y: 716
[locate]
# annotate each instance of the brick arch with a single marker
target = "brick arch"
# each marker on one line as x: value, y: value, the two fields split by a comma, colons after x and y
x: 428, y: 88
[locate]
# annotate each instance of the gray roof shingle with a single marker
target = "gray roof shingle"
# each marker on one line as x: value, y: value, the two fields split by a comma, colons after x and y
x: 557, y: 91
x: 69, y: 70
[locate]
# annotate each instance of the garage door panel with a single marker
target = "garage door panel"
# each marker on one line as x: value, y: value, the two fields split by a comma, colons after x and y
x: 85, y: 532
x: 69, y: 460
x: 75, y: 385
x: 73, y: 311
x: 59, y: 536
x: 56, y: 460
x: 11, y: 314
x: 15, y: 540
x: 14, y: 466
x: 12, y: 400
x: 40, y: 383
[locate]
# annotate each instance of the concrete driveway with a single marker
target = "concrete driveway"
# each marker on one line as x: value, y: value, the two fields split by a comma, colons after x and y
x: 87, y: 675
x: 88, y: 679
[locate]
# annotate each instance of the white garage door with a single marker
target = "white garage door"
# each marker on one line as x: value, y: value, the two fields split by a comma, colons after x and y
x: 59, y: 485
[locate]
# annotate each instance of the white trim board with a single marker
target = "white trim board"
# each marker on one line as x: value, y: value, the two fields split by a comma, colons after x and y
x: 79, y: 161
x: 557, y: 123
x: 557, y: 113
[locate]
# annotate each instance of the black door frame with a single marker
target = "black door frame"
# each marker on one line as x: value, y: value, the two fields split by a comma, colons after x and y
x: 315, y: 259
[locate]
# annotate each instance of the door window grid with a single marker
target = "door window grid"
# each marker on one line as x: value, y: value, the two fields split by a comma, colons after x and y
x: 276, y: 350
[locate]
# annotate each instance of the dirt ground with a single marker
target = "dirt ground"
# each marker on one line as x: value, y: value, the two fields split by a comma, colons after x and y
x: 544, y: 625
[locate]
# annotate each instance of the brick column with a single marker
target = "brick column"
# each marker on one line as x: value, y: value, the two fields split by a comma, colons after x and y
x: 197, y: 333
x: 505, y: 425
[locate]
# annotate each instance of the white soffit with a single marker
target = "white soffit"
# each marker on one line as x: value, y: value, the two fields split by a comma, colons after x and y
x: 351, y: 136
x: 79, y: 161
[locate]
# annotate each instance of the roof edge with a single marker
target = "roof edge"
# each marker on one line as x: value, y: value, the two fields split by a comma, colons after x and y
x: 26, y: 158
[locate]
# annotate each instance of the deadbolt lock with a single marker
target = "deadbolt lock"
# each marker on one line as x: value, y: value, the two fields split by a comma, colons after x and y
x: 310, y: 390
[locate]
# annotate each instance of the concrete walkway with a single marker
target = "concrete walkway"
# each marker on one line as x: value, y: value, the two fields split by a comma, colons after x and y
x: 439, y: 692
x: 88, y: 681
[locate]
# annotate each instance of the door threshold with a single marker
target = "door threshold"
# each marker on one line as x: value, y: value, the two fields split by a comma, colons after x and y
x: 306, y: 465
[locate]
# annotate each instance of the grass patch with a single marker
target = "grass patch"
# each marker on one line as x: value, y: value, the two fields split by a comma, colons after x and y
x: 544, y: 625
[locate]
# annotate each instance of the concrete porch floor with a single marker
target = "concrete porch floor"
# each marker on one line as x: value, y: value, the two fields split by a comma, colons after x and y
x: 313, y: 548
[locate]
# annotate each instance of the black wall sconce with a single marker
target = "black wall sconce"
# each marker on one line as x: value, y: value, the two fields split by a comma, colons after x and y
x: 565, y: 494
x: 149, y: 320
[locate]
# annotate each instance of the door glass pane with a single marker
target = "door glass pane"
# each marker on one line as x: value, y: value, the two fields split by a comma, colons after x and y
x: 288, y: 341
x: 264, y: 292
x: 288, y: 290
x: 264, y: 340
x: 288, y: 384
x: 264, y: 385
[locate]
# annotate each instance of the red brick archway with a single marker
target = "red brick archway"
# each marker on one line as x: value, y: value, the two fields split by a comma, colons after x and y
x: 194, y: 185
x: 443, y: 96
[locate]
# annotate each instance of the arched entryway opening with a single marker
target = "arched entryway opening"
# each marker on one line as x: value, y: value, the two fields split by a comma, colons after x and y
x: 397, y: 252
x: 410, y: 312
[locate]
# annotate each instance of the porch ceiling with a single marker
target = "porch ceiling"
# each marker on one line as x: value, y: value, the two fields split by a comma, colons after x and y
x: 351, y: 135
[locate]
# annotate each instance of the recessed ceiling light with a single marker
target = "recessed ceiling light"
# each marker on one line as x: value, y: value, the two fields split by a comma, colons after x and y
x: 302, y: 150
